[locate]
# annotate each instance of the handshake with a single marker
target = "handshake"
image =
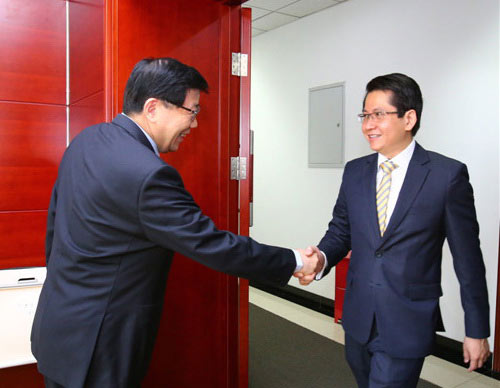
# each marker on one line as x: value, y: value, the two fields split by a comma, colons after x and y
x: 313, y: 263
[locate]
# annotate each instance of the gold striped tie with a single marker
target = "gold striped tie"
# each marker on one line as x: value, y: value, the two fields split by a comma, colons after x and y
x: 383, y: 191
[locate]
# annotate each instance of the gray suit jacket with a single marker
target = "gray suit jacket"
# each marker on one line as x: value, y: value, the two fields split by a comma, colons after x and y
x: 117, y: 214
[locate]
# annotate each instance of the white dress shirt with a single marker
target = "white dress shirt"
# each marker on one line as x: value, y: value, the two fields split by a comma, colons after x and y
x: 402, y: 160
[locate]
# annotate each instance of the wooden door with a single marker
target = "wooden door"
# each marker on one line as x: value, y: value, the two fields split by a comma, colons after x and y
x: 198, y: 341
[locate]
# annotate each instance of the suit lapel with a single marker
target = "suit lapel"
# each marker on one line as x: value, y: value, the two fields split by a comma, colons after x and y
x: 414, y: 179
x: 132, y: 128
x: 370, y: 182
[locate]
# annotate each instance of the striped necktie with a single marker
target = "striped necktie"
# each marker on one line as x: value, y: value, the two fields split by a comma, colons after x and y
x: 383, y: 191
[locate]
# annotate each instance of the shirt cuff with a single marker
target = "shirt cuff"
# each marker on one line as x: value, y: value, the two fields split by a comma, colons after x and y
x: 298, y: 259
x: 320, y: 274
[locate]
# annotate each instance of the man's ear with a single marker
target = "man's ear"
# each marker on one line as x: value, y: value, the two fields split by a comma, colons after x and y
x: 150, y: 108
x: 410, y: 119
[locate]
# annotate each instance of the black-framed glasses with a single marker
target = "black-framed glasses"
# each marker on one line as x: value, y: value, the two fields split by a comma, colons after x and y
x: 194, y: 112
x: 379, y: 115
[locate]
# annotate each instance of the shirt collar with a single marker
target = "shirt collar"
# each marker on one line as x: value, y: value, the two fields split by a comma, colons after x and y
x: 153, y: 144
x: 402, y: 159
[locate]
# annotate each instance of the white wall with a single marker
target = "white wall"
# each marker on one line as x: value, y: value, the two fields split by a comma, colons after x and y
x: 449, y: 47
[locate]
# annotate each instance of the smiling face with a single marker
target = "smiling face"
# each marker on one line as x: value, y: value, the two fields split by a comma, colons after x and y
x: 168, y: 124
x: 392, y: 134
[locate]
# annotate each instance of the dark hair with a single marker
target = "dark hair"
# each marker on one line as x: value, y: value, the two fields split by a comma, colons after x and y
x: 164, y: 78
x: 406, y: 94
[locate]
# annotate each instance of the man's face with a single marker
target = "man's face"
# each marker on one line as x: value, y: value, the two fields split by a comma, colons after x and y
x: 387, y: 135
x: 172, y: 123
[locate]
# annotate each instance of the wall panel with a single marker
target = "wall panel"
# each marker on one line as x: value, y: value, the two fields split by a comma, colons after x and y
x: 86, y: 25
x: 86, y: 112
x: 32, y: 43
x: 22, y: 239
x: 32, y: 136
x: 32, y: 141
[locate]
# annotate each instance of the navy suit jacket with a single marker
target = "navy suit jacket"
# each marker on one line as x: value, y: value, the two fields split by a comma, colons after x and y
x: 397, y: 277
x: 116, y: 216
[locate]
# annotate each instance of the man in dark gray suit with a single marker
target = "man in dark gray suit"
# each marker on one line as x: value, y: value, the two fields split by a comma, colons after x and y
x: 117, y: 214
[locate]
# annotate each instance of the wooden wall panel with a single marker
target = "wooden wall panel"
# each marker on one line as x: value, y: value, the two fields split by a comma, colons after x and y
x: 22, y: 239
x: 32, y: 136
x: 32, y: 43
x: 86, y: 112
x: 32, y: 141
x: 86, y: 24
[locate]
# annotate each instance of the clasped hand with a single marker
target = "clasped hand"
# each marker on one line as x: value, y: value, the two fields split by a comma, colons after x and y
x: 313, y: 261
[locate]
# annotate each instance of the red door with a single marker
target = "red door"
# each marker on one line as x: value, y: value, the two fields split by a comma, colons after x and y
x: 202, y: 329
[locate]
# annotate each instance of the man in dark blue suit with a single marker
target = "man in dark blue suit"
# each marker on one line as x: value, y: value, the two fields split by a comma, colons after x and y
x: 394, y: 210
x: 117, y: 214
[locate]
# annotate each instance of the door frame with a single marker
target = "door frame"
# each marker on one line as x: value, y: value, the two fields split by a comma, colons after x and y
x: 245, y: 191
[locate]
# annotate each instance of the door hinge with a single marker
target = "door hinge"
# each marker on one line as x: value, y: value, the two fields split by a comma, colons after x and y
x: 238, y: 168
x: 239, y: 65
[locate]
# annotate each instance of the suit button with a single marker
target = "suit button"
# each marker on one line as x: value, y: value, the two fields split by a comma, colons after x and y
x: 379, y: 254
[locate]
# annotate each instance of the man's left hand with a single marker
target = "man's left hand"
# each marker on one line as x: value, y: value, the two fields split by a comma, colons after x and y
x: 476, y: 351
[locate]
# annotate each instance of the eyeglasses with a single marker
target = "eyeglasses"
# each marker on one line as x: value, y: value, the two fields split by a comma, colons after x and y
x: 376, y: 116
x: 194, y: 112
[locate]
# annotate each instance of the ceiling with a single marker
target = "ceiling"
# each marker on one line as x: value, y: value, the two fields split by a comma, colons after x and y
x: 270, y: 14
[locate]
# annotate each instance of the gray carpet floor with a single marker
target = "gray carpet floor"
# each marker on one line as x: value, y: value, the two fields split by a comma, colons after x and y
x: 286, y: 355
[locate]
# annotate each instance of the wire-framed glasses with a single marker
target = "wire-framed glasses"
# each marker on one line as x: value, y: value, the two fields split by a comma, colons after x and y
x: 379, y: 115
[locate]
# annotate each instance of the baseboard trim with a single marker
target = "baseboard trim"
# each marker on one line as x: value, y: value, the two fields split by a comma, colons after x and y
x: 303, y: 298
x: 446, y: 348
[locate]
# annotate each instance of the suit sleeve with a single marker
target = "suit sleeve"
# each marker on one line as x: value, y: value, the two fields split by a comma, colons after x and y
x: 336, y: 242
x: 171, y: 218
x: 51, y: 215
x: 462, y: 232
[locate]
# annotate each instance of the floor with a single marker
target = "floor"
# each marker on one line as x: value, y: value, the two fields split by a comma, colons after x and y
x: 436, y: 371
x: 283, y: 354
